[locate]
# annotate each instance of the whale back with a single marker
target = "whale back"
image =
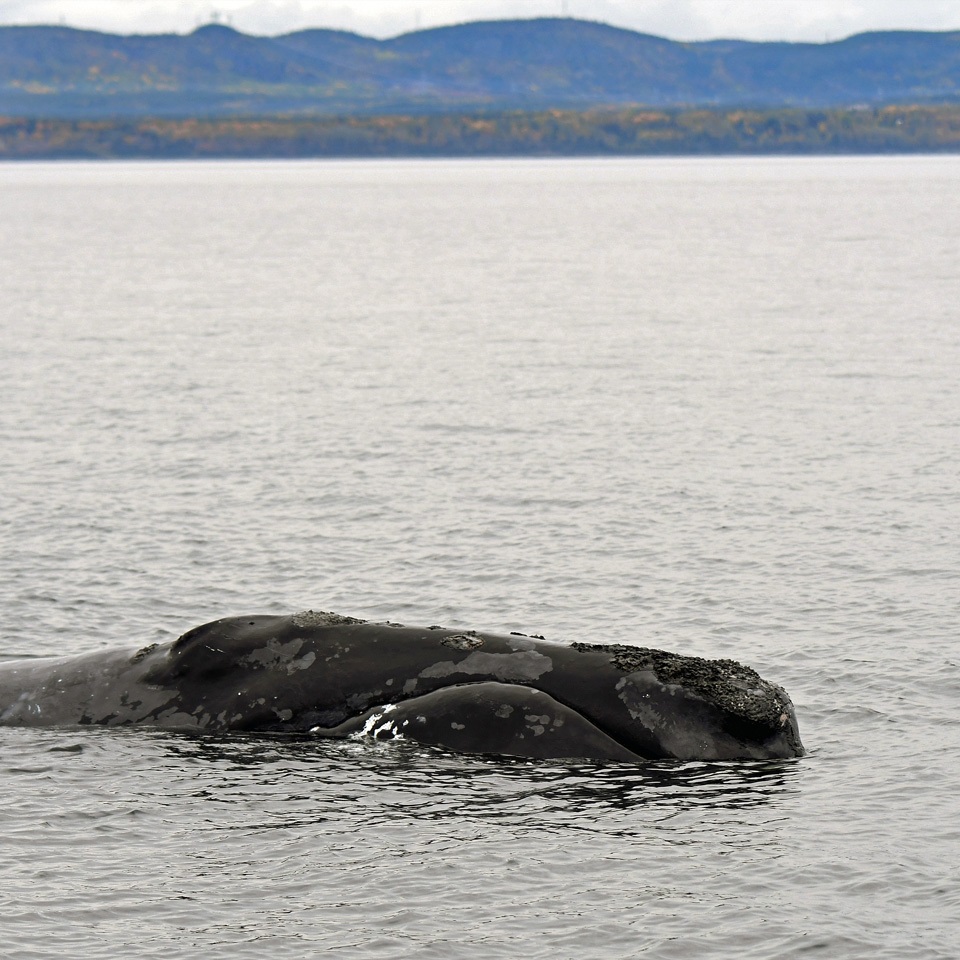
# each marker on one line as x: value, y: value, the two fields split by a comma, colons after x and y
x: 314, y: 672
x: 317, y: 670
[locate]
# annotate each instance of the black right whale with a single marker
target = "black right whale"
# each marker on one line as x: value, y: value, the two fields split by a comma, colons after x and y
x: 325, y: 675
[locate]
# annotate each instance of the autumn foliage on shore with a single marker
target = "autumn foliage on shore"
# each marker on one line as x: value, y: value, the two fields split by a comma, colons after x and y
x: 625, y: 132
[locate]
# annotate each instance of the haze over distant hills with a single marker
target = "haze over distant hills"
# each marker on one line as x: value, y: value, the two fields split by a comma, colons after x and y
x: 490, y: 66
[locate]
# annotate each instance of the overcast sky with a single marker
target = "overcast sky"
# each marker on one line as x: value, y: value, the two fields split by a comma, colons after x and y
x: 815, y: 20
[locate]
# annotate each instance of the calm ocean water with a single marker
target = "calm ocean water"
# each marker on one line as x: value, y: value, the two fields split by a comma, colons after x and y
x: 707, y: 405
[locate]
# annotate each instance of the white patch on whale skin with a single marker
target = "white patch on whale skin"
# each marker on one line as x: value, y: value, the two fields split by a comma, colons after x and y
x: 640, y: 709
x: 523, y: 665
x: 516, y: 642
x: 24, y: 705
x: 535, y: 723
x: 379, y: 728
x: 277, y: 655
x: 305, y: 661
x: 682, y: 735
x: 386, y: 731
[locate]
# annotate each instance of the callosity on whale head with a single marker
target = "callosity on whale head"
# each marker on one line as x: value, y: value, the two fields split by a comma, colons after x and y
x: 328, y: 675
x: 707, y: 709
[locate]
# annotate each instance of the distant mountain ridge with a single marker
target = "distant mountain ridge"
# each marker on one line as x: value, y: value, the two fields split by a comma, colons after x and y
x: 561, y: 63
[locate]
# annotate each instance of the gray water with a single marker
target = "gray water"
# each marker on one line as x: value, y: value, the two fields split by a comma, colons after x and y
x: 707, y: 405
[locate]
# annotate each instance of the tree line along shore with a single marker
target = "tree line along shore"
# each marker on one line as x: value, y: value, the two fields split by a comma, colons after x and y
x: 633, y: 131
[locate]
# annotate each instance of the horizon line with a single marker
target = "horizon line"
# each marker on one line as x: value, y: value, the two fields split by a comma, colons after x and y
x: 223, y: 22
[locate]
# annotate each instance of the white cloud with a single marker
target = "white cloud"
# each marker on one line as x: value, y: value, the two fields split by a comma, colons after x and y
x: 811, y: 20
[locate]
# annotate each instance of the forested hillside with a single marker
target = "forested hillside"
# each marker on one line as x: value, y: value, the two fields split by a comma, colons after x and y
x: 493, y: 66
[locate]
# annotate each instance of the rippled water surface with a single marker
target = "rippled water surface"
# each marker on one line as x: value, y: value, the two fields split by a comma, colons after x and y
x: 707, y: 405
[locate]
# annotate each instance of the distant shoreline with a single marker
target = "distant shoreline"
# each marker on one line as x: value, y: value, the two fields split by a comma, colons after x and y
x: 633, y: 131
